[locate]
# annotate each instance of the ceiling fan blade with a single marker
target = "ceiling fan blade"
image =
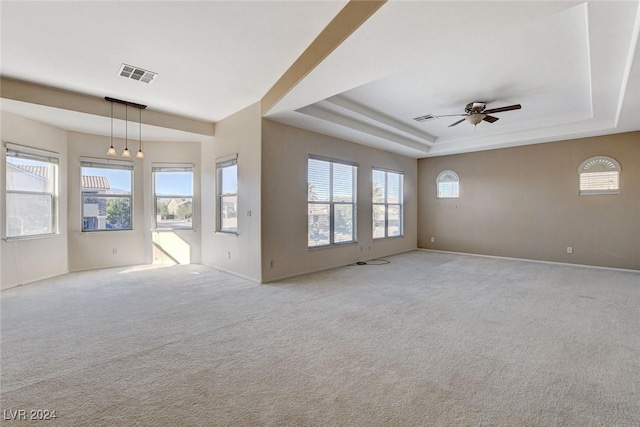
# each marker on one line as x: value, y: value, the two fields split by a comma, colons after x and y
x: 491, y: 119
x: 450, y: 115
x: 501, y: 109
x: 456, y: 123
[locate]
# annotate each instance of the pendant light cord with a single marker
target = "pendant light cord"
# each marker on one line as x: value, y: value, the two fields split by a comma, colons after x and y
x: 126, y: 127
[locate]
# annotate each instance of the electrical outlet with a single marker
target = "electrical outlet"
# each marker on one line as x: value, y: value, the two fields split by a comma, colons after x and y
x: 228, y: 255
x: 433, y: 239
x: 249, y: 213
x: 569, y: 249
x: 271, y: 264
x: 114, y: 251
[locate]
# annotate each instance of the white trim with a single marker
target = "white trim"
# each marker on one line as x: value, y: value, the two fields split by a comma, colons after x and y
x: 539, y: 261
x: 172, y: 167
x: 233, y: 273
x: 229, y: 160
x: 92, y: 162
x: 31, y: 150
x: 333, y: 160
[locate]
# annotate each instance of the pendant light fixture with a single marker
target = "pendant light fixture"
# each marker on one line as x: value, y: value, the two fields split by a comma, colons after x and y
x: 111, y: 151
x: 140, y: 154
x: 126, y: 153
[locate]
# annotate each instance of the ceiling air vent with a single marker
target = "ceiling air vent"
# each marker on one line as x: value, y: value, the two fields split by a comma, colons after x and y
x: 424, y: 118
x: 137, y: 73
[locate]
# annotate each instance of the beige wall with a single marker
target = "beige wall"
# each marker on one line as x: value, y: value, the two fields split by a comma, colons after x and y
x: 28, y: 260
x: 285, y: 151
x: 239, y: 254
x: 96, y: 249
x: 523, y: 202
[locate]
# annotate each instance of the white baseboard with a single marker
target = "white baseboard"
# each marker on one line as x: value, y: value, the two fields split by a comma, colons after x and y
x: 597, y: 267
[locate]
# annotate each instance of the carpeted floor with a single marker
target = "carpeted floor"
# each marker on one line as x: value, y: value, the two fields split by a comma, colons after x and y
x: 429, y: 339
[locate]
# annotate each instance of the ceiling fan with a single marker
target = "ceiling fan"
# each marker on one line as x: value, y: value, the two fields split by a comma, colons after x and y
x: 475, y: 112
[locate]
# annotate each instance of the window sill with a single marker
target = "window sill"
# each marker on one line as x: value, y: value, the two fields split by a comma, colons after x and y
x: 231, y: 233
x: 332, y: 245
x: 103, y: 232
x: 173, y: 230
x: 379, y: 239
x: 34, y: 237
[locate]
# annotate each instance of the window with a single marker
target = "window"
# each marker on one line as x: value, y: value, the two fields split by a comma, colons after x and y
x: 331, y: 202
x: 173, y: 196
x: 448, y: 184
x: 106, y: 195
x: 32, y: 205
x: 227, y: 170
x: 387, y: 203
x: 599, y: 175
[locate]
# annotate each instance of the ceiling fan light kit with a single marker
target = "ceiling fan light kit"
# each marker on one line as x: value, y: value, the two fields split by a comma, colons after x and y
x: 475, y: 112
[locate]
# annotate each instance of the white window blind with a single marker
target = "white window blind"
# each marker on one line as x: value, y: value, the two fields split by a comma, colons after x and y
x: 227, y: 173
x: 107, y: 194
x: 388, y: 203
x: 331, y: 201
x: 448, y: 185
x: 599, y: 175
x: 31, y: 191
x: 173, y: 195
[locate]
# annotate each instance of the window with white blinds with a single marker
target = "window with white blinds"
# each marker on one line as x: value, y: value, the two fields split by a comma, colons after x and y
x: 599, y: 175
x: 173, y: 195
x: 31, y: 192
x: 107, y: 194
x: 448, y: 185
x: 387, y: 198
x: 227, y: 172
x: 331, y: 202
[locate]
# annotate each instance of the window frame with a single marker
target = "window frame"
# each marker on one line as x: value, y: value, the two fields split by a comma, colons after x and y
x: 439, y: 180
x: 172, y: 168
x: 332, y: 204
x: 386, y: 203
x: 221, y: 164
x: 107, y: 164
x: 605, y: 164
x: 31, y: 153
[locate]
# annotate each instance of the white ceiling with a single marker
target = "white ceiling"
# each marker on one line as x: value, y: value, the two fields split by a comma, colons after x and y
x: 574, y: 66
x: 213, y: 58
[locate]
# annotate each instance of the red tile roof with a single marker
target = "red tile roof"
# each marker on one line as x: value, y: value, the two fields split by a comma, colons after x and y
x: 41, y: 171
x: 99, y: 182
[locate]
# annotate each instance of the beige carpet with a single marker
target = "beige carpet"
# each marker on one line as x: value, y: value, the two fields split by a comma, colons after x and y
x: 429, y: 339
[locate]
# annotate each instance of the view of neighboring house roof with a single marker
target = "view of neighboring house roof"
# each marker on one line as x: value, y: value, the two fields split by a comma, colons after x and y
x: 41, y: 171
x: 98, y: 182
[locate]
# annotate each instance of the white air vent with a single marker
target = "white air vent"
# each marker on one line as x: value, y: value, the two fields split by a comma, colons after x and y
x: 136, y: 73
x: 424, y: 118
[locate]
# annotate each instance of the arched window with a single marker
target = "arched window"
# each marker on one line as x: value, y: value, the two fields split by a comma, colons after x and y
x: 599, y: 175
x: 448, y: 183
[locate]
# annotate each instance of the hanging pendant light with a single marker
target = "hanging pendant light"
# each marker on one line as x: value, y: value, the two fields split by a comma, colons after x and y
x: 140, y: 154
x: 126, y: 152
x: 111, y: 151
